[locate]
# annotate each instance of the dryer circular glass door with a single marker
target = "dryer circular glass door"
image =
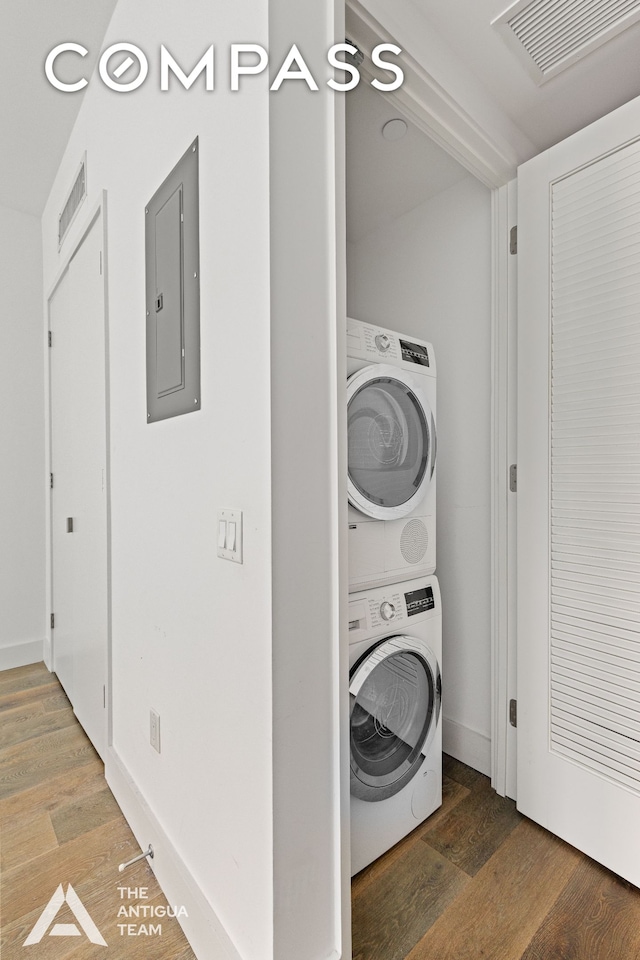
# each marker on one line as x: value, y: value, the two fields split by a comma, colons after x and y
x: 394, y: 693
x: 391, y: 439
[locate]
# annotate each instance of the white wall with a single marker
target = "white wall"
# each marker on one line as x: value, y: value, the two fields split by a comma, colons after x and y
x: 224, y: 652
x: 428, y: 273
x: 22, y: 439
x: 309, y: 497
x: 191, y: 634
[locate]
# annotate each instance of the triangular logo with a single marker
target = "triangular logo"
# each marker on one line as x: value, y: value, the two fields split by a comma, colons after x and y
x: 79, y: 911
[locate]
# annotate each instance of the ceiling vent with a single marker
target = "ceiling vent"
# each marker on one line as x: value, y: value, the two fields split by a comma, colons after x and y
x: 551, y: 35
x: 72, y: 204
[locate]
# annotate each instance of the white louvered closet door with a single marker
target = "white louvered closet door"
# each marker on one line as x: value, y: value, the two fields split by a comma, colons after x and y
x: 579, y: 491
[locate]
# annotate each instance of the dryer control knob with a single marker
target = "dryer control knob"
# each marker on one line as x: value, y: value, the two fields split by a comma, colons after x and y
x: 383, y: 342
x: 387, y: 610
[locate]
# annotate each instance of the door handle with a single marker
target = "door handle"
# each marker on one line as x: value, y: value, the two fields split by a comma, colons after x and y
x: 434, y: 437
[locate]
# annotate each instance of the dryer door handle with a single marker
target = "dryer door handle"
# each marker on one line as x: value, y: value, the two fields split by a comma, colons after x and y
x: 434, y: 445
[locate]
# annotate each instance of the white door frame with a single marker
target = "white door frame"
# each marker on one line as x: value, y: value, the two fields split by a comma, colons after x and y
x: 431, y: 107
x: 504, y: 361
x: 81, y: 230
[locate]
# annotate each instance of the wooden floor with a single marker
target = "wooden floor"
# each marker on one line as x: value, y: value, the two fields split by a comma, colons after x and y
x: 477, y: 881
x: 59, y: 824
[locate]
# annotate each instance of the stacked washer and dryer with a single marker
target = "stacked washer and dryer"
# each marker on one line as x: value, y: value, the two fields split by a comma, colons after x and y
x: 395, y: 617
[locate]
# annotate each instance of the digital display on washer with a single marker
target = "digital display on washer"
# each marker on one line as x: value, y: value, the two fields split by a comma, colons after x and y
x: 419, y: 601
x: 415, y: 353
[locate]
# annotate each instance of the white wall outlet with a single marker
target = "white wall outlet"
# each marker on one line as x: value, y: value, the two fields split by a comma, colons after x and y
x: 229, y: 535
x: 154, y: 730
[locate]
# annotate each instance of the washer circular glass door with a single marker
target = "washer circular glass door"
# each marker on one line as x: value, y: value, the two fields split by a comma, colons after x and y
x: 394, y: 693
x: 391, y: 439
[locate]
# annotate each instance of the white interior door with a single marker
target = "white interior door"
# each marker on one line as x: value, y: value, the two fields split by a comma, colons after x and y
x: 79, y: 491
x: 579, y: 490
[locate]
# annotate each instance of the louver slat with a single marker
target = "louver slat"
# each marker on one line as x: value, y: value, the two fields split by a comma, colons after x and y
x: 579, y: 708
x: 589, y: 178
x: 624, y: 657
x: 612, y: 742
x: 595, y: 468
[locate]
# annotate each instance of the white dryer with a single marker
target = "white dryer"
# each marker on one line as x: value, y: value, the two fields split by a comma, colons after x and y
x: 391, y: 410
x: 395, y: 647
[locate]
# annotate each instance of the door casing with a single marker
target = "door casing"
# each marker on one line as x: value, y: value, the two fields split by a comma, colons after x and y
x: 437, y: 113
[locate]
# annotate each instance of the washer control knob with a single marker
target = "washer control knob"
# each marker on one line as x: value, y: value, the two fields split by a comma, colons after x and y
x: 383, y: 342
x: 387, y: 610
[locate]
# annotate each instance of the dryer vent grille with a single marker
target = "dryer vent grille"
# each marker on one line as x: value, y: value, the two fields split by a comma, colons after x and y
x: 550, y: 37
x: 72, y: 204
x: 414, y: 541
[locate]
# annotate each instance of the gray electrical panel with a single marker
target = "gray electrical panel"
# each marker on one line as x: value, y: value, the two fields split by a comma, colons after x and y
x: 172, y: 254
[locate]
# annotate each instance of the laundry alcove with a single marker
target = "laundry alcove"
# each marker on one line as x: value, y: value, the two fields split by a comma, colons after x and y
x: 419, y: 261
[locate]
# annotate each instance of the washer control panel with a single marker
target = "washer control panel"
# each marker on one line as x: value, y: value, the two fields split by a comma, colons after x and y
x: 420, y: 601
x: 392, y: 608
x: 387, y: 610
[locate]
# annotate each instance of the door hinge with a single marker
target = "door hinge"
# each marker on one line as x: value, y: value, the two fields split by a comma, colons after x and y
x: 513, y: 478
x: 104, y: 696
x: 50, y: 338
x: 513, y: 713
x: 53, y: 620
x: 51, y: 480
x: 513, y: 240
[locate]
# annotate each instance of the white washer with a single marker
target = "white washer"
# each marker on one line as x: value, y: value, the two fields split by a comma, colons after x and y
x: 395, y: 651
x: 391, y: 409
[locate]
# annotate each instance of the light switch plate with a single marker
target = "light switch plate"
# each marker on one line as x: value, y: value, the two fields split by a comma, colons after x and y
x: 227, y: 534
x: 154, y: 729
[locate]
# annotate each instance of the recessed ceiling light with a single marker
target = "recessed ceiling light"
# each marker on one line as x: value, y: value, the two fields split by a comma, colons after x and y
x: 394, y: 129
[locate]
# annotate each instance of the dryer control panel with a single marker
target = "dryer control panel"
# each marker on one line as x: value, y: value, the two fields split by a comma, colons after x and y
x: 392, y: 607
x: 374, y: 344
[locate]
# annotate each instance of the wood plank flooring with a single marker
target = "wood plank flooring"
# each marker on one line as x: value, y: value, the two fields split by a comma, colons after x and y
x: 477, y: 881
x: 59, y: 824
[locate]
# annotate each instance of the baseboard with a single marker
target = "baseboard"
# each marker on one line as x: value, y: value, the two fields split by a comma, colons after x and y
x: 202, y: 928
x: 467, y: 745
x: 21, y: 654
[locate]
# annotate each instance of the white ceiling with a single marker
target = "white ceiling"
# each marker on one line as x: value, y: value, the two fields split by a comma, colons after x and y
x: 591, y: 88
x: 386, y: 178
x: 36, y: 120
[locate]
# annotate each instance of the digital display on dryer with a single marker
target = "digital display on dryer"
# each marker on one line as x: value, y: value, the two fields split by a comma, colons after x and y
x: 415, y: 353
x: 419, y: 601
